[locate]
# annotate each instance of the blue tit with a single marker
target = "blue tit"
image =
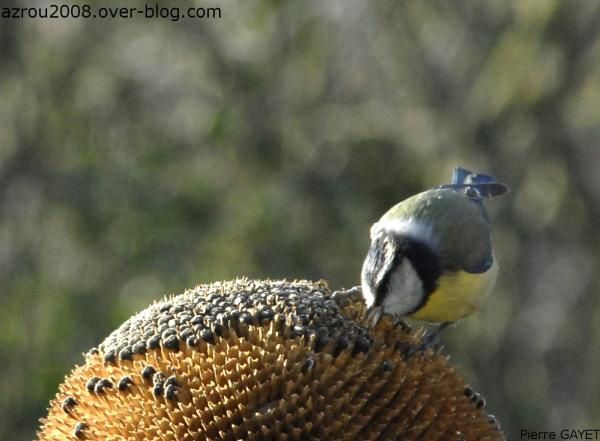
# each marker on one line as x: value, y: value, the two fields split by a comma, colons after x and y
x: 431, y: 256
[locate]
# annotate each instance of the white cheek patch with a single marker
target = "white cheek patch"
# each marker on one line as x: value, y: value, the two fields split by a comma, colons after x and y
x: 406, y: 290
x: 367, y: 292
x: 408, y: 227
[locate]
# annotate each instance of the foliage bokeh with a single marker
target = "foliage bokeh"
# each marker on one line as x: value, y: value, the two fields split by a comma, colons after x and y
x: 140, y: 157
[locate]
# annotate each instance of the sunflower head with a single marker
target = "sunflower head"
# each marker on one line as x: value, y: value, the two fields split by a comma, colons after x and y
x: 264, y: 360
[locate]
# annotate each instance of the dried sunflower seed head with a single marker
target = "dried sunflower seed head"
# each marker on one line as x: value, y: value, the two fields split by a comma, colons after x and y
x: 254, y: 360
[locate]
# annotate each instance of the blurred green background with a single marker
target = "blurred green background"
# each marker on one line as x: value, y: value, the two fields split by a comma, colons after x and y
x: 142, y: 157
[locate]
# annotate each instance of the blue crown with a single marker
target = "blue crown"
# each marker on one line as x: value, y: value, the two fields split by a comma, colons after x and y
x: 476, y: 185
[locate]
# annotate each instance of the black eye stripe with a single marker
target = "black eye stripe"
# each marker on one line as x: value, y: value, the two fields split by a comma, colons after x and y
x: 384, y: 287
x: 424, y: 260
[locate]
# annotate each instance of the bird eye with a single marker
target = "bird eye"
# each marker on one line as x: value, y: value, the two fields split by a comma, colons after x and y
x: 472, y: 192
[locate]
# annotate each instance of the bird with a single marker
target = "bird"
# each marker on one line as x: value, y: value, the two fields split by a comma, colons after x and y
x: 431, y: 256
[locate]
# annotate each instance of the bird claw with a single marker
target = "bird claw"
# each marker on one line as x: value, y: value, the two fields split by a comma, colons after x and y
x: 399, y: 323
x: 431, y: 340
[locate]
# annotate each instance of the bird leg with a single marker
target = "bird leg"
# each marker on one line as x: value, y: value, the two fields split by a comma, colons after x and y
x: 431, y: 340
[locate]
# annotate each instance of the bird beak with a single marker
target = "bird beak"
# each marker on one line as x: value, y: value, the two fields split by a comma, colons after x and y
x: 374, y: 315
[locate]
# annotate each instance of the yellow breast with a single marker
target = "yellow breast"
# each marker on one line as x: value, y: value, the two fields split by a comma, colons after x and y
x: 458, y: 295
